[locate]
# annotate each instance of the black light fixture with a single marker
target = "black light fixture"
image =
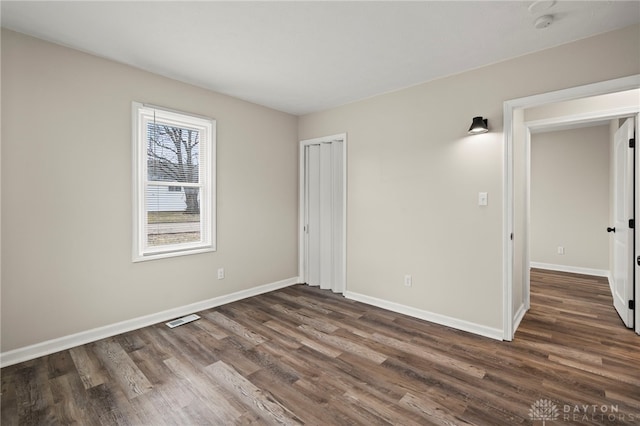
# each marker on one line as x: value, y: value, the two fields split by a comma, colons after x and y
x: 479, y: 125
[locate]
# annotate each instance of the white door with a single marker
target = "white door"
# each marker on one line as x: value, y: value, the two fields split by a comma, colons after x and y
x: 623, y: 233
x: 312, y: 215
x: 323, y: 216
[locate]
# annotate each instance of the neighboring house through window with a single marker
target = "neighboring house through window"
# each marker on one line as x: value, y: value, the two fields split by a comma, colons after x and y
x: 174, y: 183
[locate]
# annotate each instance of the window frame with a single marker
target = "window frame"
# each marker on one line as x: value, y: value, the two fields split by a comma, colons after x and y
x: 142, y: 114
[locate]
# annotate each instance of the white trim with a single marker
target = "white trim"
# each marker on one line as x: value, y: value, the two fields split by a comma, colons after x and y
x: 508, y: 226
x: 526, y: 280
x: 517, y: 319
x: 55, y: 345
x: 301, y: 203
x: 560, y: 122
x: 594, y: 89
x: 509, y: 107
x: 458, y: 324
x: 571, y: 269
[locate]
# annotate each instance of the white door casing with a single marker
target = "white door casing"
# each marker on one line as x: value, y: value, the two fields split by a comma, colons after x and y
x: 623, y: 234
x: 510, y: 108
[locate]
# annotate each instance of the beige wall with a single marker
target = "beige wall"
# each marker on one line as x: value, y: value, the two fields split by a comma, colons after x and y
x: 414, y: 176
x: 570, y: 197
x: 66, y: 195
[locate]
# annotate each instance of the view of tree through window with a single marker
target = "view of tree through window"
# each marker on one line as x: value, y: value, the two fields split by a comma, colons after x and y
x: 173, y: 210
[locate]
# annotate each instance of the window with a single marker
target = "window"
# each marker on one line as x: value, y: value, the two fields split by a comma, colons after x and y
x: 174, y: 183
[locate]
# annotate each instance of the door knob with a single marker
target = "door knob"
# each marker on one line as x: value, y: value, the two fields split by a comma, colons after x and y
x: 611, y: 229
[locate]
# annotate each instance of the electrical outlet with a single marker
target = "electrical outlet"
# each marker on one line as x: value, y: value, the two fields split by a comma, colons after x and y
x: 407, y: 280
x: 220, y: 273
x: 560, y: 250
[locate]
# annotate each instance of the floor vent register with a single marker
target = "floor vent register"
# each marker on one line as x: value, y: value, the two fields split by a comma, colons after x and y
x: 180, y: 321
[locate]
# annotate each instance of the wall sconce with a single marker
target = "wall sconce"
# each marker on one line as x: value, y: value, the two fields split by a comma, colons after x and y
x: 479, y: 125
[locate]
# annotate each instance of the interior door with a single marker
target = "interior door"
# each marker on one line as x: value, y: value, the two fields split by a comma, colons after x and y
x: 312, y: 215
x: 623, y: 212
x: 323, y: 215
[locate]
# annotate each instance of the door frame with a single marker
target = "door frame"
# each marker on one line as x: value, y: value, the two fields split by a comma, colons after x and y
x: 302, y: 207
x: 511, y: 319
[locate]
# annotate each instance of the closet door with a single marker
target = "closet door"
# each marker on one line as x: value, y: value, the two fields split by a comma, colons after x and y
x: 312, y: 212
x: 324, y: 215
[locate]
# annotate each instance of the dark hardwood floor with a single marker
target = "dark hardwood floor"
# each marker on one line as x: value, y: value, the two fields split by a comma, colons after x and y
x: 305, y: 356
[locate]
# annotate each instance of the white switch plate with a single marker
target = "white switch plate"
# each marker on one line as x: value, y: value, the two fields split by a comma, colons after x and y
x: 483, y: 198
x: 220, y: 273
x: 560, y: 250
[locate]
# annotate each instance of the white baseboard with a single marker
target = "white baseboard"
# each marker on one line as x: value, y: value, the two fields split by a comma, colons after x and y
x: 571, y: 269
x: 55, y: 345
x: 458, y: 324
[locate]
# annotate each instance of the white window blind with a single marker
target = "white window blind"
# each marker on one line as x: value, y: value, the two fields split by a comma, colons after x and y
x: 174, y: 183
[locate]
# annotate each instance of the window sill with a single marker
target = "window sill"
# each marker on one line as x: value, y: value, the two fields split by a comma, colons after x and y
x: 176, y: 253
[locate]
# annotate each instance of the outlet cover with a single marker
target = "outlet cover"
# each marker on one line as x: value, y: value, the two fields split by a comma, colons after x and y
x: 407, y: 280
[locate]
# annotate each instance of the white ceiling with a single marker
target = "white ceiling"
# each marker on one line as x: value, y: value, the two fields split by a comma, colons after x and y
x: 302, y: 57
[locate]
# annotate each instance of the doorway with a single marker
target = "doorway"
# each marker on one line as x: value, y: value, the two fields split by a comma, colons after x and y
x: 516, y: 171
x: 570, y: 194
x: 581, y: 186
x: 322, y: 222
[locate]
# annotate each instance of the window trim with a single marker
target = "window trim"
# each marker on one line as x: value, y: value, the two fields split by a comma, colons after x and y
x: 207, y: 182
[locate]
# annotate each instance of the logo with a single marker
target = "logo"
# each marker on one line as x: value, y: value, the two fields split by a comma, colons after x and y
x: 544, y: 409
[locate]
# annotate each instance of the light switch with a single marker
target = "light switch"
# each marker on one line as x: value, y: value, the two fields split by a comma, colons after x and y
x: 483, y: 199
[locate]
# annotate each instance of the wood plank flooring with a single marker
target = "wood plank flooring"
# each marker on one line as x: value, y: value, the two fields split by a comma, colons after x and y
x: 305, y: 356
